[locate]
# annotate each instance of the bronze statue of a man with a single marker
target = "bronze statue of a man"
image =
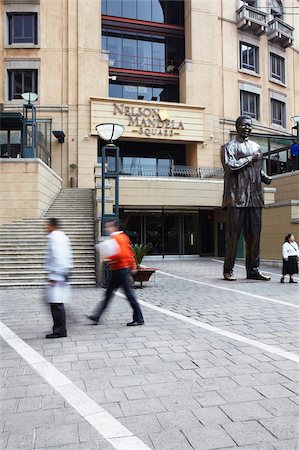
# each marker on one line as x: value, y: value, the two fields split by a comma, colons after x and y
x: 243, y: 199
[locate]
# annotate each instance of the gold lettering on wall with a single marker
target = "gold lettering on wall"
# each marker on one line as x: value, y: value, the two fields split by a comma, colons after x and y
x: 148, y: 121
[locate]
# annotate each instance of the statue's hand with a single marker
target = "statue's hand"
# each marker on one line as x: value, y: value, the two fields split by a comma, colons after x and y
x: 265, y: 178
x: 257, y: 157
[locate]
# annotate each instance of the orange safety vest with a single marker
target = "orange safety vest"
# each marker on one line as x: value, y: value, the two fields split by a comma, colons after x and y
x: 124, y: 259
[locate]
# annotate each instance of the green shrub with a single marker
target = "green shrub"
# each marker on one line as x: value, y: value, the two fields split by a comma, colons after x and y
x: 141, y: 250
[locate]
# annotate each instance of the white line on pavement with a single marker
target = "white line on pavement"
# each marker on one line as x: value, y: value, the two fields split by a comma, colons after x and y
x: 105, y: 424
x: 242, y: 267
x: 237, y: 337
x: 223, y: 288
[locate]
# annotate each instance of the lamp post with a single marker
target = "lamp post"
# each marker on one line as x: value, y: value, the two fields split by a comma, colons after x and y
x: 295, y: 147
x: 109, y: 132
x: 29, y: 125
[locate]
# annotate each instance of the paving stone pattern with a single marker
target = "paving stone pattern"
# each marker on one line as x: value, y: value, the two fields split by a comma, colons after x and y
x: 173, y: 385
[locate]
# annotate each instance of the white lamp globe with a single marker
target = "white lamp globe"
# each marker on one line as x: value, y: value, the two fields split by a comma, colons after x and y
x: 110, y: 131
x: 29, y: 96
x: 295, y: 119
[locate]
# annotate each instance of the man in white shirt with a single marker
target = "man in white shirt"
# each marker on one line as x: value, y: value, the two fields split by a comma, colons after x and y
x: 58, y: 262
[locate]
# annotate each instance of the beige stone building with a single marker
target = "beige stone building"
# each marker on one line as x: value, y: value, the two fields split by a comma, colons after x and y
x: 176, y: 74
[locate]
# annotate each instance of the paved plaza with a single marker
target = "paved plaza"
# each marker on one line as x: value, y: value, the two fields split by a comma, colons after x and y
x: 215, y: 366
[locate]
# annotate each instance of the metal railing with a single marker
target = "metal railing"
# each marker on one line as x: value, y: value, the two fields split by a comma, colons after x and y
x: 143, y: 63
x: 278, y: 25
x: 250, y: 13
x: 141, y: 170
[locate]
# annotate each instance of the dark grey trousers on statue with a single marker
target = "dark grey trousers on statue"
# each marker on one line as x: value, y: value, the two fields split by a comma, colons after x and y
x: 248, y: 221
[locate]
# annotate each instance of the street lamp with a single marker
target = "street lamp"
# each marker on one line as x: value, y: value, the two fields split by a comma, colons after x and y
x: 109, y: 132
x: 295, y: 147
x: 29, y: 125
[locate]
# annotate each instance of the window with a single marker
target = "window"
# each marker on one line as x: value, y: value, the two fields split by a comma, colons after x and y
x: 159, y: 11
x: 143, y: 91
x: 278, y: 112
x: 22, y: 28
x: 20, y: 81
x: 143, y: 52
x: 250, y: 104
x: 249, y: 57
x: 277, y: 67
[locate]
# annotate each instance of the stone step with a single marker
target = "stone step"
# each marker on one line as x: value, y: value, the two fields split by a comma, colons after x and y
x: 39, y: 284
x: 15, y: 266
x: 41, y: 245
x: 42, y: 276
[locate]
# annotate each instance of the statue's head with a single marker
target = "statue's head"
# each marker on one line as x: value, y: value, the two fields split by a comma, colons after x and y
x: 244, y: 126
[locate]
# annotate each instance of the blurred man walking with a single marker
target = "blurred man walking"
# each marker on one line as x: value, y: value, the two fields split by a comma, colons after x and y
x: 122, y: 261
x: 58, y: 263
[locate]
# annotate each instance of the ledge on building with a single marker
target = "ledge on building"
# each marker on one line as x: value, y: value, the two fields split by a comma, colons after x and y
x: 280, y: 33
x: 251, y: 19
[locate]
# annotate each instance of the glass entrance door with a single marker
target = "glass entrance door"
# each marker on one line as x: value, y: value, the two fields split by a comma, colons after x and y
x: 172, y: 234
x: 191, y: 234
x: 154, y: 232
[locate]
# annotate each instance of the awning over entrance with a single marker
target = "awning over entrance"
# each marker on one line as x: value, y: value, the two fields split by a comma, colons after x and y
x: 11, y: 121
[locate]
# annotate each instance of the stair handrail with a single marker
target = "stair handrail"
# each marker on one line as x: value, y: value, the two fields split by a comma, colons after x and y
x: 94, y: 195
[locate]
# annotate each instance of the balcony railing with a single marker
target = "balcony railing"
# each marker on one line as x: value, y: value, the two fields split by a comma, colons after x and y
x: 249, y: 18
x: 142, y: 170
x: 144, y: 63
x: 280, y: 33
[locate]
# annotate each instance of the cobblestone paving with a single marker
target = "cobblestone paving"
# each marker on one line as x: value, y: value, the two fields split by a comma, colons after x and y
x: 173, y: 385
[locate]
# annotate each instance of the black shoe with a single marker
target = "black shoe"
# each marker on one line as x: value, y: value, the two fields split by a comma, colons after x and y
x: 134, y: 324
x: 258, y: 276
x: 292, y: 281
x: 94, y: 319
x: 56, y: 336
x: 282, y: 279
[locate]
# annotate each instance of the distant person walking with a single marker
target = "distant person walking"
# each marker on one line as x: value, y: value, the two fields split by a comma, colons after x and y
x: 122, y: 261
x: 58, y: 263
x: 290, y: 255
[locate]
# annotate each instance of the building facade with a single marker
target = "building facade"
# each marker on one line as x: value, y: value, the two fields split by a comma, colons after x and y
x: 176, y: 74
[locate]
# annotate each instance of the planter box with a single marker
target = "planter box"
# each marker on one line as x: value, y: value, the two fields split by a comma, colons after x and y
x: 143, y: 274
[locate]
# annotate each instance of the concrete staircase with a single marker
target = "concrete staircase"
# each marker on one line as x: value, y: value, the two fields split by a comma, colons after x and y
x: 22, y: 243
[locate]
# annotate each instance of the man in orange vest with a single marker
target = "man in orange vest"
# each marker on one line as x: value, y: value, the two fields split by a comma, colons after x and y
x: 122, y: 262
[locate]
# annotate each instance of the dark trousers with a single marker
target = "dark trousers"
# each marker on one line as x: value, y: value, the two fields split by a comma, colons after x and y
x: 249, y: 221
x: 120, y: 278
x: 58, y: 314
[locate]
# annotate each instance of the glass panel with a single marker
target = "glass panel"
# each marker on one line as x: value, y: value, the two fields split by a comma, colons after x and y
x: 115, y: 49
x: 158, y: 11
x: 130, y: 9
x: 15, y: 136
x: 130, y: 92
x: 132, y: 226
x: 114, y: 7
x: 146, y: 92
x: 3, y: 137
x: 154, y: 232
x: 17, y: 84
x: 144, y: 10
x: 157, y: 93
x: 104, y: 7
x: 115, y: 90
x: 158, y: 57
x: 171, y: 234
x: 129, y: 54
x: 191, y: 234
x: 144, y: 55
x: 164, y: 167
x: 17, y: 27
x: 28, y: 27
x: 28, y: 82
